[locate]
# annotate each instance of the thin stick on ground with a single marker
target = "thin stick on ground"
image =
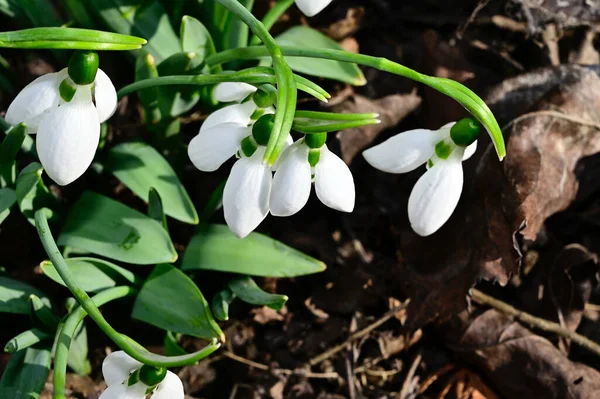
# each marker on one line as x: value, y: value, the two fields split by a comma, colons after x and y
x: 357, y: 335
x: 554, y: 114
x: 536, y: 322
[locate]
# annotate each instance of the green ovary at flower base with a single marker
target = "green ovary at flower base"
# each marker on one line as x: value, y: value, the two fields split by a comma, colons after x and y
x: 437, y: 192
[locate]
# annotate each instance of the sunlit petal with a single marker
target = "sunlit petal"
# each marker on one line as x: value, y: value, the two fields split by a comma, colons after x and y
x: 136, y: 391
x: 212, y: 147
x: 292, y: 183
x: 117, y: 366
x: 170, y: 388
x: 469, y: 151
x: 233, y: 91
x: 236, y: 113
x: 334, y: 183
x: 246, y: 194
x: 68, y: 137
x: 105, y: 96
x: 311, y: 8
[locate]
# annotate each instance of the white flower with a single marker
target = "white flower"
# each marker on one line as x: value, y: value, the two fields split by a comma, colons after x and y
x: 68, y: 132
x: 334, y: 183
x: 118, y: 366
x: 310, y: 8
x: 437, y: 192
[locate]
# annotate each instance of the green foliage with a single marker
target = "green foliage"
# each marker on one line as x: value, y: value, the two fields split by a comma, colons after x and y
x: 100, y: 225
x: 8, y: 198
x: 246, y: 289
x: 32, y: 193
x: 14, y: 296
x: 171, y: 300
x: 214, y: 247
x: 26, y: 373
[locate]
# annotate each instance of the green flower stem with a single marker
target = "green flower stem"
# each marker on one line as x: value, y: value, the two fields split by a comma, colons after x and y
x: 256, y: 76
x: 69, y: 38
x: 272, y: 16
x: 286, y: 84
x: 473, y: 103
x: 63, y: 343
x: 333, y: 116
x: 333, y: 126
x: 127, y: 344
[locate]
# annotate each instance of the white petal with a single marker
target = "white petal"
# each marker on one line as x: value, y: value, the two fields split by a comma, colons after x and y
x: 289, y: 142
x: 237, y: 113
x: 136, y: 391
x: 233, y: 91
x: 469, y: 151
x: 334, y: 183
x: 435, y: 196
x: 246, y: 194
x: 292, y: 183
x: 117, y: 366
x: 105, y: 96
x: 35, y: 100
x: 212, y: 147
x: 311, y: 8
x: 68, y: 137
x: 405, y: 151
x: 170, y: 388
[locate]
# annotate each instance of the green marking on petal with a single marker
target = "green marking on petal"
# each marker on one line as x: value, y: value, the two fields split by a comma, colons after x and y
x: 443, y: 150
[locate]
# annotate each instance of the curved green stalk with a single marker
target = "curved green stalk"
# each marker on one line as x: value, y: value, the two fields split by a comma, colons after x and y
x: 286, y: 85
x: 63, y: 343
x: 272, y: 16
x: 131, y: 347
x: 69, y: 38
x: 471, y: 101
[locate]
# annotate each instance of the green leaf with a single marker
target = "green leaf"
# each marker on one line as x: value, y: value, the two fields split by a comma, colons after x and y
x: 220, y: 304
x: 26, y: 374
x: 246, y: 289
x: 144, y: 18
x: 26, y: 339
x: 236, y: 34
x: 197, y: 39
x: 305, y: 37
x: 174, y: 101
x: 31, y: 192
x: 214, y: 247
x: 170, y: 300
x: 214, y: 203
x: 7, y: 77
x: 8, y: 198
x: 140, y: 167
x: 8, y: 152
x: 40, y: 12
x: 155, y: 208
x: 92, y: 275
x: 78, y: 352
x: 14, y: 296
x: 171, y: 343
x: 102, y: 226
x: 41, y: 313
x: 69, y: 38
x: 145, y: 68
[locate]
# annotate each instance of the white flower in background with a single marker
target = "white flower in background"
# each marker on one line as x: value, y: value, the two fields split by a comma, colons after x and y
x: 66, y: 117
x: 118, y: 368
x: 310, y: 8
x: 437, y: 192
x: 306, y: 160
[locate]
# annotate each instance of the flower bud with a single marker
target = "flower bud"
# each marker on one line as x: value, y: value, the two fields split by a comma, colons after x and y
x: 465, y: 132
x: 262, y: 99
x: 67, y: 89
x: 314, y: 156
x: 151, y: 375
x: 83, y: 67
x: 249, y: 146
x: 261, y: 130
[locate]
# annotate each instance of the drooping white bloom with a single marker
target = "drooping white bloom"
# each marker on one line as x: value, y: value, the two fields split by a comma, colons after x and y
x: 334, y: 183
x: 68, y: 132
x: 310, y: 8
x: 437, y: 192
x: 116, y: 369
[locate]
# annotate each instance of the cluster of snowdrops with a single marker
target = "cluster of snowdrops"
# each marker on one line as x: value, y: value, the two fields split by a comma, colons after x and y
x: 65, y: 110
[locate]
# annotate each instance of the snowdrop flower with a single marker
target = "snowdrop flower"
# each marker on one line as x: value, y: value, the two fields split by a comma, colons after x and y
x: 129, y: 379
x: 437, y: 192
x: 306, y: 160
x: 310, y: 8
x: 66, y: 109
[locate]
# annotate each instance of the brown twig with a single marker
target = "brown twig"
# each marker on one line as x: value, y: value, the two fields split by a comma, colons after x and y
x: 408, y: 381
x: 536, y: 322
x: 357, y: 335
x: 554, y: 114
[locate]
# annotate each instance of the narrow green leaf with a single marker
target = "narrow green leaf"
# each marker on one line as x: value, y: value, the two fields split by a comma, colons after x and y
x: 214, y: 247
x: 197, y: 39
x: 92, y: 275
x: 144, y: 18
x: 8, y: 198
x: 8, y: 152
x: 102, y: 226
x: 41, y: 313
x: 221, y: 302
x: 304, y: 37
x: 171, y: 300
x: 40, y: 12
x: 214, y: 203
x: 77, y: 11
x: 26, y: 374
x: 236, y: 34
x: 78, y: 352
x: 14, y: 296
x: 7, y: 77
x: 171, y: 343
x: 69, y: 38
x: 140, y: 167
x: 145, y: 68
x: 32, y: 193
x: 174, y: 101
x: 26, y: 339
x: 155, y: 208
x: 246, y: 289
